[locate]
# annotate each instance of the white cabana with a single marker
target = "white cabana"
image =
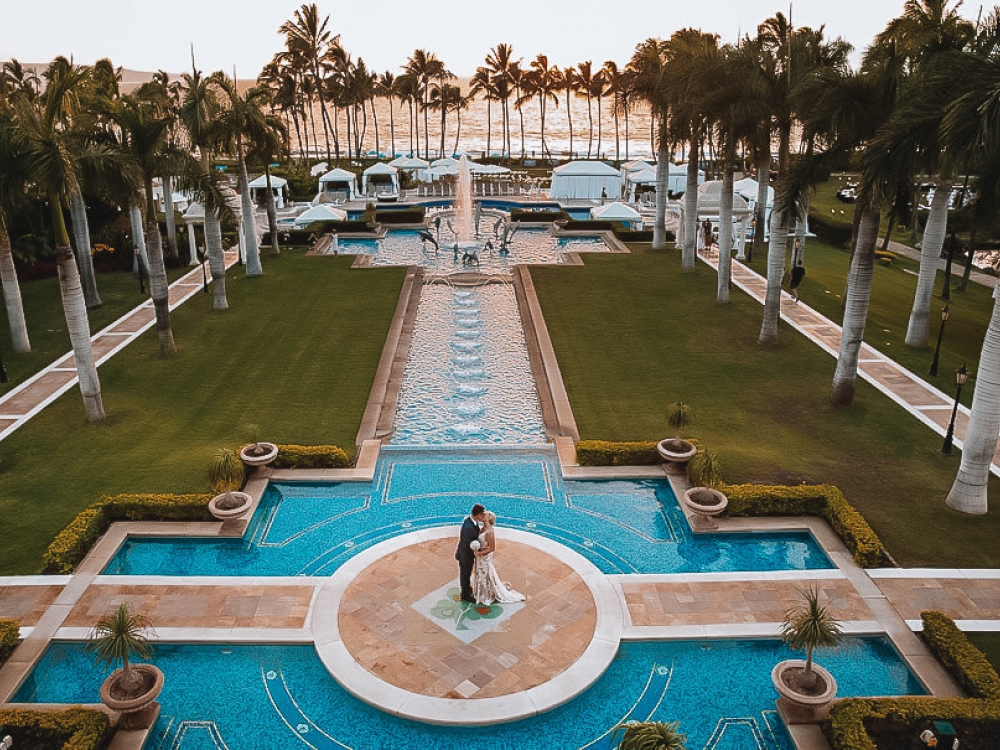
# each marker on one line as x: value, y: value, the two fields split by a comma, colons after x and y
x: 321, y: 212
x: 638, y: 177
x: 409, y: 163
x: 709, y: 195
x: 258, y: 190
x: 487, y: 169
x: 335, y: 185
x: 616, y: 211
x: 318, y: 168
x: 380, y: 178
x: 747, y: 189
x: 585, y: 179
x: 677, y: 181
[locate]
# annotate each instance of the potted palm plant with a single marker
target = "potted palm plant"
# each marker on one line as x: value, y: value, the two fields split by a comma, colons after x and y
x: 674, y: 451
x: 704, y: 498
x: 806, y: 689
x: 650, y: 735
x: 226, y: 472
x: 130, y: 690
x: 257, y: 452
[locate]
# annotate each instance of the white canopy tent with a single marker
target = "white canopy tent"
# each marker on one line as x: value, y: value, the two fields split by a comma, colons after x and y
x: 585, y: 179
x: 337, y: 181
x: 617, y: 211
x: 642, y: 176
x: 258, y: 189
x: 380, y: 177
x: 677, y: 181
x: 747, y: 189
x: 322, y: 212
x: 709, y: 195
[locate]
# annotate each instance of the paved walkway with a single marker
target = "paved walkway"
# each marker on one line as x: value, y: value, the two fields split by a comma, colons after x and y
x: 30, y: 397
x: 928, y: 404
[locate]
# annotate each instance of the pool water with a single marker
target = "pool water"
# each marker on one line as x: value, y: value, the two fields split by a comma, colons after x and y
x: 468, y: 377
x: 247, y: 697
x: 405, y: 248
x: 622, y: 526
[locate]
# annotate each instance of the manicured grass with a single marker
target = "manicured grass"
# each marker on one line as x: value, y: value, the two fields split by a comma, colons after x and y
x: 893, y: 288
x: 989, y: 644
x: 295, y: 354
x: 43, y: 313
x: 632, y: 334
x: 823, y: 201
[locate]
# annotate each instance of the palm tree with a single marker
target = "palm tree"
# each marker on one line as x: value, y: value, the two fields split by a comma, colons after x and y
x: 387, y: 88
x: 424, y: 67
x: 199, y: 112
x: 809, y: 626
x: 408, y: 91
x: 650, y: 735
x: 50, y: 165
x: 519, y: 80
x: 12, y: 182
x: 616, y: 84
x: 447, y: 98
x: 499, y: 63
x: 308, y: 36
x: 482, y: 83
x: 586, y: 79
x: 544, y: 80
x: 569, y: 84
x: 121, y: 637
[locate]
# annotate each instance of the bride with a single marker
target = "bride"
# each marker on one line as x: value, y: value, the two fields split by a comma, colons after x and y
x: 489, y: 588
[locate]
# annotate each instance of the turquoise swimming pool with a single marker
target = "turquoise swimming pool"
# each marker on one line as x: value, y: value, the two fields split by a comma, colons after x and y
x: 246, y: 697
x: 621, y: 526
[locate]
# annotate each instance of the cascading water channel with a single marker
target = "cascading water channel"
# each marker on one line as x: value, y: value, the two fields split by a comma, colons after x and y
x: 468, y: 378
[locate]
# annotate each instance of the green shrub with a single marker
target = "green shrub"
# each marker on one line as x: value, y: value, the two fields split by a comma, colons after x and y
x: 323, y: 227
x: 72, y: 543
x: 9, y: 636
x: 836, y: 233
x: 967, y: 664
x: 289, y: 237
x: 71, y: 729
x: 606, y: 453
x: 311, y: 457
x: 812, y: 500
x: 853, y: 720
x: 411, y: 215
x: 546, y: 215
x: 591, y: 225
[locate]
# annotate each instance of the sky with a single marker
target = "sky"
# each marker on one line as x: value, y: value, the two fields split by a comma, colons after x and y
x: 139, y: 35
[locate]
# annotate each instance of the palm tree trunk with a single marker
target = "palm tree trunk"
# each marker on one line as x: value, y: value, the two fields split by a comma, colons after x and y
x: 272, y: 212
x: 158, y: 289
x: 249, y: 220
x: 141, y: 263
x: 968, y: 493
x: 75, y: 310
x: 775, y: 270
x: 760, y: 210
x: 801, y: 223
x: 689, y: 250
x: 392, y: 127
x: 662, y: 180
x: 859, y: 288
x: 569, y: 122
x: 81, y: 233
x: 590, y: 120
x: 725, y: 233
x: 216, y: 260
x: 168, y: 216
x: 12, y: 294
x: 930, y: 253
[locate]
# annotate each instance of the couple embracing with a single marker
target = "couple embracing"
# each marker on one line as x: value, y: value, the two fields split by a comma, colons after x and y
x: 475, y: 550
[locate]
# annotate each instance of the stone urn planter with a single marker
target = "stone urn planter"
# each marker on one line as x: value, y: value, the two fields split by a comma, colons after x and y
x: 132, y: 701
x: 797, y: 705
x: 705, y: 503
x: 676, y: 453
x: 229, y: 505
x: 258, y: 454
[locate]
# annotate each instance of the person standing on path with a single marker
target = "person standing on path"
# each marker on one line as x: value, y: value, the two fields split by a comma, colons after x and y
x: 798, y: 273
x: 464, y: 554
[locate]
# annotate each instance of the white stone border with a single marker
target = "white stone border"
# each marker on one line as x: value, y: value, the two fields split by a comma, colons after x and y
x: 562, y: 688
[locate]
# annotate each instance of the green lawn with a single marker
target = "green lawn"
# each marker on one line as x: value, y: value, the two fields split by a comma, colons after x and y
x: 989, y: 644
x: 47, y: 334
x: 823, y: 201
x: 632, y: 333
x: 295, y: 353
x: 889, y: 313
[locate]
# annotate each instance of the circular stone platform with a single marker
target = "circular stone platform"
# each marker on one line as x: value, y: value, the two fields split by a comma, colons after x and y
x: 389, y: 627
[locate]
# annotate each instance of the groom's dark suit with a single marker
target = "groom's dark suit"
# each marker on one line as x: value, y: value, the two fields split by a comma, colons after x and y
x: 465, y: 556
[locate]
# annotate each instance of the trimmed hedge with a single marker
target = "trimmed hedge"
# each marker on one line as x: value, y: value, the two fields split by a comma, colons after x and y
x: 606, y: 453
x: 590, y: 225
x: 835, y: 233
x: 547, y: 215
x: 977, y: 720
x: 311, y: 457
x: 966, y: 663
x: 823, y: 500
x: 9, y: 636
x: 72, y: 543
x: 411, y: 215
x: 323, y: 227
x: 72, y: 729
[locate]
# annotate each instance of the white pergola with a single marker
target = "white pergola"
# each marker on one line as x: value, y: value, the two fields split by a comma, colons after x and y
x: 195, y: 215
x: 259, y: 186
x: 709, y: 195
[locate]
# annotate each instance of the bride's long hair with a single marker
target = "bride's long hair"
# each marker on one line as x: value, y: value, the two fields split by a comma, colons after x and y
x: 491, y: 518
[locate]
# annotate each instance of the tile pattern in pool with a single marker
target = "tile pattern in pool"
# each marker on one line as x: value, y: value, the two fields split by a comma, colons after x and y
x: 404, y: 248
x: 282, y: 696
x: 621, y: 526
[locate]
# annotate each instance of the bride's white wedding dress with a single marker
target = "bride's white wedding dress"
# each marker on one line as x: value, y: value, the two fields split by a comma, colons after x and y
x: 488, y: 586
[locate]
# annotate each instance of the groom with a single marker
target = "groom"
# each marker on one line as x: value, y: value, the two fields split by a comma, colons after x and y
x: 464, y: 554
